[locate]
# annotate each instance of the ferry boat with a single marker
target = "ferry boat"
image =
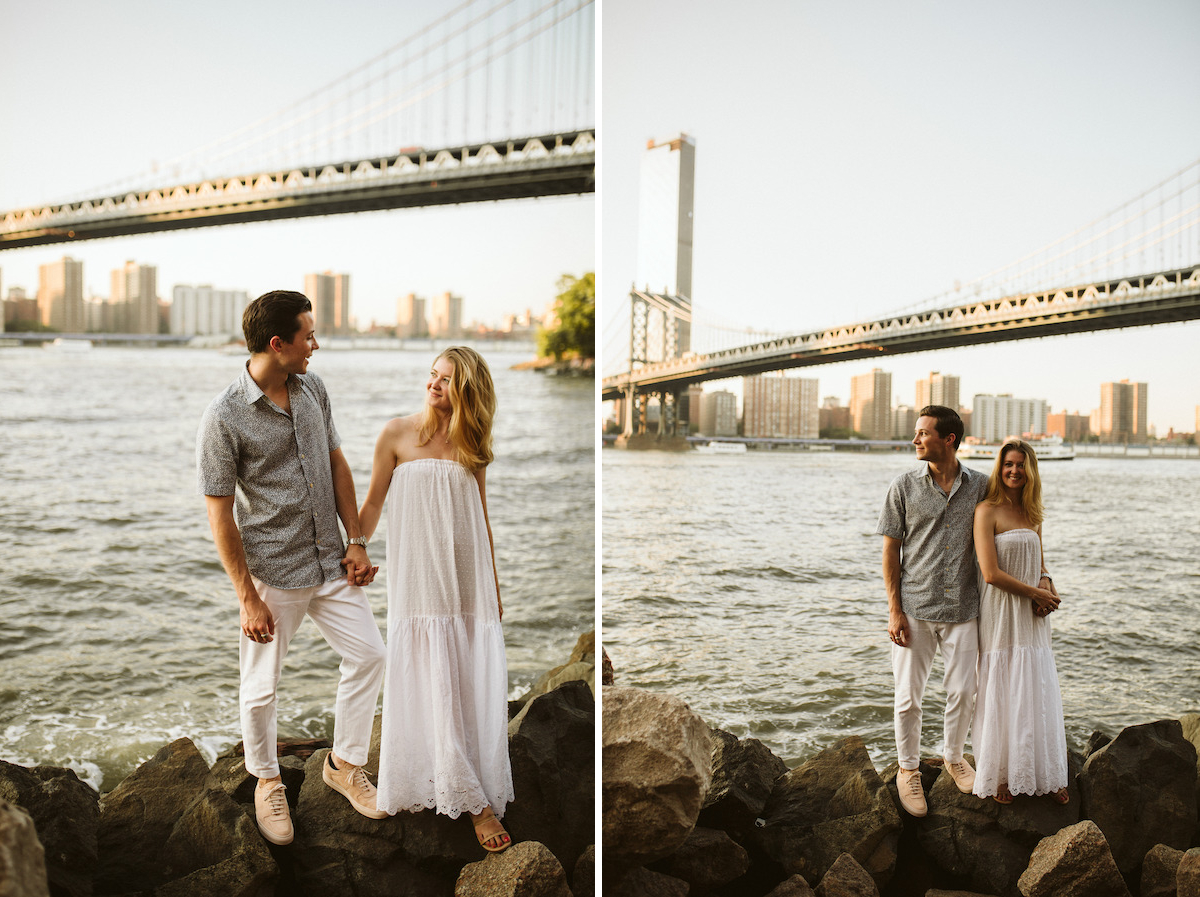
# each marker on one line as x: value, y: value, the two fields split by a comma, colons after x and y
x: 722, y: 448
x: 1047, y: 448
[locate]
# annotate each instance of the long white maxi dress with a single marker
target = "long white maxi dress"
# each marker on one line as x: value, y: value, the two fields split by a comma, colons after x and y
x: 1019, y: 736
x: 445, y: 694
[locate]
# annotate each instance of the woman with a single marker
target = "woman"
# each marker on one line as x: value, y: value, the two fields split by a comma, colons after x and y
x: 1020, y: 743
x: 445, y: 707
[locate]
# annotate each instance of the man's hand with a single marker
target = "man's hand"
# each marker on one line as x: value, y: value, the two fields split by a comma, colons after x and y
x: 359, y: 571
x: 258, y: 624
x: 898, y: 628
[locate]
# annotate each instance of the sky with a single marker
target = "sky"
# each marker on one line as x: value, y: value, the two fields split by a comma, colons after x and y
x: 854, y: 159
x: 95, y: 93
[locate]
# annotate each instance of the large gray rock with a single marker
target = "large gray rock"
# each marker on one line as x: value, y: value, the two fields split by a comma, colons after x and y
x: 1187, y: 877
x: 834, y: 803
x: 138, y: 816
x: 707, y: 859
x: 1140, y: 789
x: 527, y: 869
x: 794, y: 886
x: 583, y: 878
x: 1159, y: 870
x: 1075, y: 862
x: 743, y: 774
x: 982, y: 842
x: 553, y: 757
x: 657, y: 771
x: 66, y: 814
x: 580, y: 665
x: 846, y: 878
x: 215, y: 850
x: 22, y: 863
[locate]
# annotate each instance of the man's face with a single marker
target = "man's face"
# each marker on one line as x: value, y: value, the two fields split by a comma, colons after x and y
x: 294, y: 355
x: 930, y: 446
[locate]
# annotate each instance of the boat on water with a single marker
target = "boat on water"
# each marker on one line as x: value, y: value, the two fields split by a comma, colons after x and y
x: 1047, y: 448
x: 69, y: 345
x: 722, y: 448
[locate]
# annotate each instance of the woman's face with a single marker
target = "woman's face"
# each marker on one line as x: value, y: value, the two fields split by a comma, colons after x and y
x: 437, y: 388
x: 1012, y: 469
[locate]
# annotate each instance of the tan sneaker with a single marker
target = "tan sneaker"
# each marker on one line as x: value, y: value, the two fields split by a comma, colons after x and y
x: 912, y: 795
x: 352, y: 782
x: 963, y: 774
x: 271, y: 812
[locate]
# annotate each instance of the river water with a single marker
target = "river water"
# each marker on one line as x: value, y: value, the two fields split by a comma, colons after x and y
x: 750, y: 587
x: 121, y: 627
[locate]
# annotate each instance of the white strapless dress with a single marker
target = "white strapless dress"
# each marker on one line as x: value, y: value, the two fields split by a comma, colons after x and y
x: 445, y: 694
x: 1018, y: 735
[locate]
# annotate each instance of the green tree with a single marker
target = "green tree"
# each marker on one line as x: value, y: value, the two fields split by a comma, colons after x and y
x: 575, y: 333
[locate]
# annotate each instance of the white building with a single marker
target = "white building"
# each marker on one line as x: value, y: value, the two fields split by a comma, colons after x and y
x: 995, y: 418
x: 201, y: 310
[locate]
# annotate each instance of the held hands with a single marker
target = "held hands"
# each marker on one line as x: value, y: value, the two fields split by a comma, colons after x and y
x: 1045, y: 601
x: 359, y: 571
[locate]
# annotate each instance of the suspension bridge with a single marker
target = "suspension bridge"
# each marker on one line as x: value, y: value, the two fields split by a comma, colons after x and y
x: 491, y: 101
x: 1095, y: 278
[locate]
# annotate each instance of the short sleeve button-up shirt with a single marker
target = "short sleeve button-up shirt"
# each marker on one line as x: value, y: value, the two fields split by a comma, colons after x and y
x: 277, y: 466
x: 938, y: 572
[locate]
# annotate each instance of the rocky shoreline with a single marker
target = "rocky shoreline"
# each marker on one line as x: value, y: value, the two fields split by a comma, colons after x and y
x: 177, y: 828
x: 693, y: 811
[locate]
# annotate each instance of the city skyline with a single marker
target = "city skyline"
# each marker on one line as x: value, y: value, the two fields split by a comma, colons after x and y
x: 504, y: 255
x: 844, y: 173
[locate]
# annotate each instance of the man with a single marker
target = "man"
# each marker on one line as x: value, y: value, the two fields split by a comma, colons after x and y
x: 933, y: 597
x: 268, y: 445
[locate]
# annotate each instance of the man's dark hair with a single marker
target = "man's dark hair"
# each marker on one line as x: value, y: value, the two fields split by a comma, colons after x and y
x: 948, y: 421
x: 276, y: 313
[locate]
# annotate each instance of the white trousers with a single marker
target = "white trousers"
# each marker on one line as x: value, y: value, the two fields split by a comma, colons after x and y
x: 910, y: 666
x: 343, y: 616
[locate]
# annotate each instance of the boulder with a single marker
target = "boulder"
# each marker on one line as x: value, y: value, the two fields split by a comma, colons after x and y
x: 1159, y: 870
x: 1096, y: 741
x: 580, y: 665
x: 832, y: 804
x: 606, y: 668
x: 1190, y: 723
x: 1075, y: 862
x: 985, y: 844
x: 527, y: 869
x: 22, y: 861
x: 657, y: 771
x: 846, y: 878
x: 795, y: 886
x: 66, y: 815
x: 1140, y: 789
x: 583, y: 879
x: 229, y: 774
x: 553, y: 757
x: 707, y: 859
x: 215, y: 850
x: 138, y: 816
x: 642, y: 882
x: 743, y: 774
x: 1187, y: 877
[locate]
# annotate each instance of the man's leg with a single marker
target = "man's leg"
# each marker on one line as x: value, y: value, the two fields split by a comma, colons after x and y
x: 910, y: 667
x: 960, y: 652
x: 344, y: 617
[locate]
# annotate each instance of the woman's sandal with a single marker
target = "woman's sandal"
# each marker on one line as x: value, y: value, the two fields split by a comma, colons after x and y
x: 492, y: 831
x: 1003, y: 795
x: 1062, y: 796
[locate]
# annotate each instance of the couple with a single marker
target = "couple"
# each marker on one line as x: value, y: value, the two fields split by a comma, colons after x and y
x: 936, y: 521
x: 268, y: 445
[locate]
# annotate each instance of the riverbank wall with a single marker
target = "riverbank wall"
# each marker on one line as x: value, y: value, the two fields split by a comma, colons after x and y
x: 693, y: 811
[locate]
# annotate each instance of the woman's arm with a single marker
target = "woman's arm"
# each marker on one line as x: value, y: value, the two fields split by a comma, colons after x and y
x: 985, y: 552
x: 1046, y: 576
x: 480, y: 477
x: 382, y: 465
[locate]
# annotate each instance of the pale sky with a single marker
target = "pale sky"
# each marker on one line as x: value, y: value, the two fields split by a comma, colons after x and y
x: 853, y: 159
x: 95, y: 93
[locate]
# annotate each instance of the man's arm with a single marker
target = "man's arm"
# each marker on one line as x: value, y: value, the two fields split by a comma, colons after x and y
x: 359, y: 571
x: 897, y: 622
x: 256, y: 620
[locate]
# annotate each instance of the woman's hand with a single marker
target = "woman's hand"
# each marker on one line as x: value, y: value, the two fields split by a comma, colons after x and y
x: 1044, y: 601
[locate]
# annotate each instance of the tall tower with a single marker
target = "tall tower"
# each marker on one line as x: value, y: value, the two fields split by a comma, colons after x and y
x: 1123, y: 412
x: 871, y: 404
x: 939, y: 389
x: 664, y: 259
x: 410, y: 317
x: 134, y: 297
x: 446, y: 320
x: 329, y: 294
x: 60, y: 295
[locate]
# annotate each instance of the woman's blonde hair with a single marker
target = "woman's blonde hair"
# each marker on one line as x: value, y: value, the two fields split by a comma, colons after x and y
x: 1031, y: 492
x: 472, y: 407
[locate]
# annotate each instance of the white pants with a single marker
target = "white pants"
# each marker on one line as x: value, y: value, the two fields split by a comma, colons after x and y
x: 910, y: 666
x: 344, y: 618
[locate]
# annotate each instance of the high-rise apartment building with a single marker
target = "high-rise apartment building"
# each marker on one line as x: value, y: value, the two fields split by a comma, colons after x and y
x: 60, y: 295
x: 871, y: 404
x: 718, y: 413
x: 1123, y: 412
x: 832, y: 415
x: 1071, y: 427
x: 410, y: 317
x: 446, y: 320
x: 202, y: 311
x: 329, y: 294
x: 904, y: 420
x: 995, y: 418
x: 778, y: 406
x: 134, y: 298
x: 938, y: 389
x: 664, y: 253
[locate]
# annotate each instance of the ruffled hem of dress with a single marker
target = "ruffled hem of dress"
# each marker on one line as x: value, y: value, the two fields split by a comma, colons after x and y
x: 499, y: 804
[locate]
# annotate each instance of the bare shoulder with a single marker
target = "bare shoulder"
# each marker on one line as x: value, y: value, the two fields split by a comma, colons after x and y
x: 985, y: 511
